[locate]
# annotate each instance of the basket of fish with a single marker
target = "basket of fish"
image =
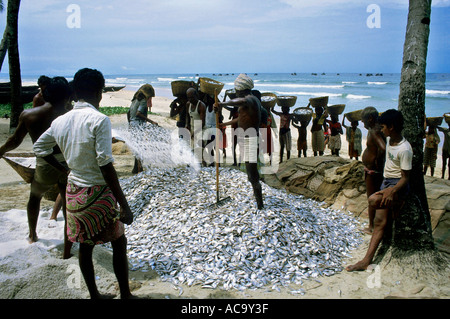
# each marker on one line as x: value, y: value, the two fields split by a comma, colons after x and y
x: 180, y: 87
x: 286, y: 100
x: 336, y: 109
x: 319, y: 101
x: 209, y: 86
x: 434, y: 121
x: 353, y: 116
x: 303, y: 114
x: 447, y: 118
x: 23, y: 163
x: 268, y: 100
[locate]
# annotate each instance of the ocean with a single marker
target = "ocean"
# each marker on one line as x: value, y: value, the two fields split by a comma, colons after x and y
x: 354, y: 90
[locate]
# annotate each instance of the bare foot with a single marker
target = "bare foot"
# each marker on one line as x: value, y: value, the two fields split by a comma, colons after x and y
x: 32, y: 239
x: 359, y: 266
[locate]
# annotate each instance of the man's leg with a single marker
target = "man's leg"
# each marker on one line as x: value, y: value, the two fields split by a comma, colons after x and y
x: 33, y: 207
x: 120, y: 264
x: 379, y: 225
x: 253, y: 177
x: 87, y: 269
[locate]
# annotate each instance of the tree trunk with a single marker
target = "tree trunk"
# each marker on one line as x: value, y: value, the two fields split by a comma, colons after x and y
x: 3, y: 47
x: 413, y: 227
x: 14, y: 62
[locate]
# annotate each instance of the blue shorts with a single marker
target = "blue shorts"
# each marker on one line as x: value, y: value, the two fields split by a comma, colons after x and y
x: 390, y: 182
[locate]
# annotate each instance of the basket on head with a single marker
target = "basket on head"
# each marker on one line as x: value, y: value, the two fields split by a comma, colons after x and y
x: 434, y: 121
x: 268, y: 100
x: 180, y: 87
x: 336, y: 109
x: 319, y: 101
x: 208, y: 86
x: 447, y: 118
x: 353, y: 116
x: 303, y: 114
x: 286, y: 100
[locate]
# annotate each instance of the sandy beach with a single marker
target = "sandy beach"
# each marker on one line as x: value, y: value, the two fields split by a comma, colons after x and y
x: 38, y: 271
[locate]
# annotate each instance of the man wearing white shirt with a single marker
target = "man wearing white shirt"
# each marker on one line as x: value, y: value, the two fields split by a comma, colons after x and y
x: 395, y: 187
x: 93, y: 190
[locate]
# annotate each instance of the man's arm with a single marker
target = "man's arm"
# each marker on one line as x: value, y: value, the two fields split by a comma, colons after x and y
x: 16, y: 139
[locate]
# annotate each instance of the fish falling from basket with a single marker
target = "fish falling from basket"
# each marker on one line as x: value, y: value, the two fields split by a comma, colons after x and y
x: 303, y: 114
x: 286, y: 100
x: 434, y: 121
x: 336, y: 109
x: 208, y: 86
x: 354, y: 116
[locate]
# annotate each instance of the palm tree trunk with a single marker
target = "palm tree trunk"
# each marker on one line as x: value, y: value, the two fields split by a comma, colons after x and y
x: 14, y: 62
x: 413, y: 228
x: 3, y: 47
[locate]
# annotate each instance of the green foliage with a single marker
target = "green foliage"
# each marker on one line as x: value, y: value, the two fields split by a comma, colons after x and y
x: 114, y: 110
x: 5, y: 109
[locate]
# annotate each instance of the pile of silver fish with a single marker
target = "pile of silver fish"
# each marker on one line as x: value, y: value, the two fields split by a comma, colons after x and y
x: 235, y: 246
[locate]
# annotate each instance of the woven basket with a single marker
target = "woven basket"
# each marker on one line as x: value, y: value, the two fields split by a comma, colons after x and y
x: 25, y: 171
x: 447, y: 118
x: 286, y: 100
x: 268, y: 100
x: 208, y: 86
x: 303, y: 114
x: 354, y: 116
x: 319, y: 101
x: 179, y: 88
x: 434, y: 121
x: 336, y: 109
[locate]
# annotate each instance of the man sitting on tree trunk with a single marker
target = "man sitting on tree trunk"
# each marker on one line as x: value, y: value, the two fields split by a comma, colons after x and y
x: 388, y: 201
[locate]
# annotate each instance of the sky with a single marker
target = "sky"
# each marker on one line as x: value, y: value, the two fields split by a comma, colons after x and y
x: 58, y: 37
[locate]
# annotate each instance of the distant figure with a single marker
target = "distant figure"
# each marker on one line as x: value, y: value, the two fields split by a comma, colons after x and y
x: 335, y: 137
x: 178, y: 108
x: 445, y: 150
x: 266, y: 126
x: 317, y: 138
x: 353, y: 136
x: 326, y: 134
x: 302, y: 144
x: 42, y: 82
x: 395, y: 187
x: 432, y: 141
x: 197, y: 114
x: 373, y: 157
x: 93, y: 189
x: 285, y: 131
x: 249, y: 121
x: 138, y: 116
x: 36, y: 121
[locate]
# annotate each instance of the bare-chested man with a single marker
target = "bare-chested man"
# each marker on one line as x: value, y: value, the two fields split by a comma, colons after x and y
x: 373, y: 157
x: 248, y: 121
x: 38, y: 99
x: 36, y: 121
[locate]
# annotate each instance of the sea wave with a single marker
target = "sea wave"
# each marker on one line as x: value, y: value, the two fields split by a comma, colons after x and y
x: 166, y: 79
x: 437, y: 92
x: 348, y: 82
x: 357, y: 97
x: 309, y: 93
x: 309, y: 86
x: 377, y: 83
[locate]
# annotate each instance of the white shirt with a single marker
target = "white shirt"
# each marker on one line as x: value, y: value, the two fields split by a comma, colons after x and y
x: 398, y: 158
x: 84, y: 137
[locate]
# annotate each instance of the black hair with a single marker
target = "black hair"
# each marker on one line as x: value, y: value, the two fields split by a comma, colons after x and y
x: 392, y: 118
x: 43, y: 80
x: 57, y: 90
x: 87, y: 83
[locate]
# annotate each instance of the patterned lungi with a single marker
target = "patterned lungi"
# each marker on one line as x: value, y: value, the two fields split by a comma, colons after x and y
x: 92, y: 215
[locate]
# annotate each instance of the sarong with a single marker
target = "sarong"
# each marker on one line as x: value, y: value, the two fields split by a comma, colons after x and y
x: 335, y: 142
x: 430, y: 156
x: 251, y: 149
x: 92, y: 215
x: 318, y: 141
